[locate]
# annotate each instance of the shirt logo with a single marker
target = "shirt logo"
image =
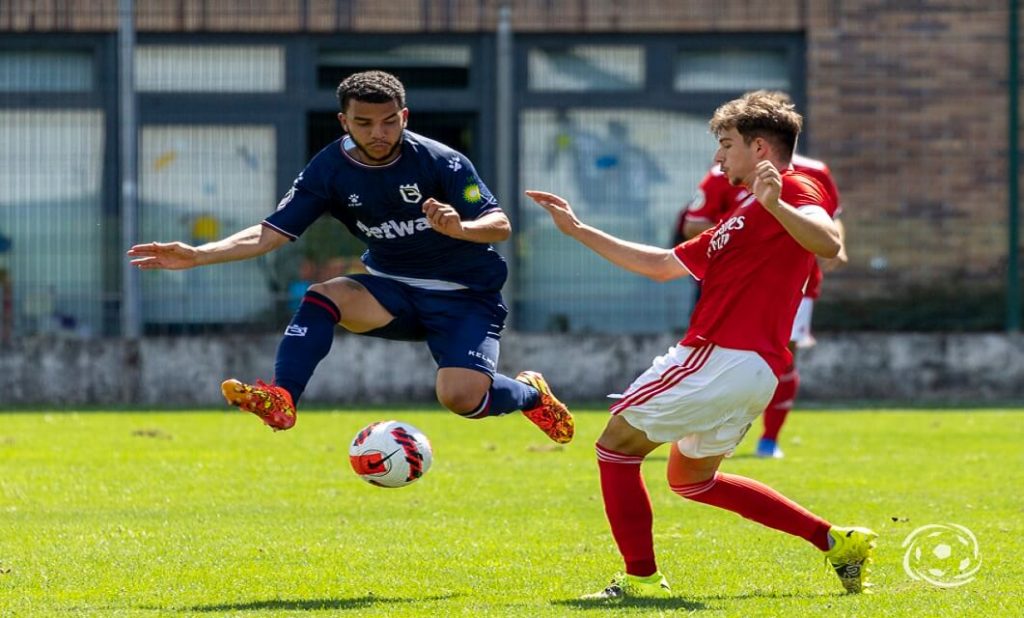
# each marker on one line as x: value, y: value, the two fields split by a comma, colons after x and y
x: 454, y: 164
x: 295, y: 331
x: 291, y: 192
x: 472, y: 194
x: 411, y: 193
x: 287, y: 198
x: 722, y: 234
x: 353, y: 201
x: 480, y: 355
x: 394, y: 229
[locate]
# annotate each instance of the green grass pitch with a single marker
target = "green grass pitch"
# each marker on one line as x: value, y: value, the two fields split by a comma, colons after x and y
x: 210, y: 514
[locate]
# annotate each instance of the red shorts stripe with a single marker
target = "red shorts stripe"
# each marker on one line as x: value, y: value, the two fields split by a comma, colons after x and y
x: 693, y: 363
x: 688, y: 362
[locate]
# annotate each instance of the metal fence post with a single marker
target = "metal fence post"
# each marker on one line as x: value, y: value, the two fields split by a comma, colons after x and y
x: 131, y: 322
x: 505, y: 140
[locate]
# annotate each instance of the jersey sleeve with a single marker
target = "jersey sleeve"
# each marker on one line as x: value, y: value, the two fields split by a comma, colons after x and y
x: 305, y: 201
x: 693, y: 254
x: 831, y: 189
x: 466, y: 192
x: 799, y: 190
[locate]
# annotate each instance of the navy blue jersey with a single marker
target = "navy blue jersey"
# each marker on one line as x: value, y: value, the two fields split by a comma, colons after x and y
x: 382, y: 206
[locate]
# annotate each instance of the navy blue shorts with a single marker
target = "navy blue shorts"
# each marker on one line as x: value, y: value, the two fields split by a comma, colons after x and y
x: 462, y: 328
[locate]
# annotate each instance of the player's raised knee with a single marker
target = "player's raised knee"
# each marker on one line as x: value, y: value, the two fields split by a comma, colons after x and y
x: 459, y: 400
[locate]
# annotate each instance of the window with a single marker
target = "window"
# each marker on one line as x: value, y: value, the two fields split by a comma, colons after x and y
x: 46, y: 71
x: 51, y: 226
x: 620, y: 174
x: 417, y: 66
x: 166, y: 68
x: 586, y: 68
x: 198, y: 184
x: 731, y: 70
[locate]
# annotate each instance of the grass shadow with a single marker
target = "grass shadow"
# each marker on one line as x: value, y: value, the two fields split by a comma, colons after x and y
x: 663, y: 604
x: 307, y: 604
x: 762, y: 594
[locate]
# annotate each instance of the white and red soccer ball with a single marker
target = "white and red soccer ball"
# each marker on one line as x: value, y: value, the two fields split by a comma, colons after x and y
x: 390, y: 454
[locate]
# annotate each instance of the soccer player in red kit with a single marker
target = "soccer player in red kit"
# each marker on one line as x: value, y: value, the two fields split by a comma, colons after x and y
x: 715, y: 197
x: 704, y: 393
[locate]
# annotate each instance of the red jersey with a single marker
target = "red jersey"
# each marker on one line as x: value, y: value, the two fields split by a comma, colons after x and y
x: 752, y: 275
x: 716, y: 196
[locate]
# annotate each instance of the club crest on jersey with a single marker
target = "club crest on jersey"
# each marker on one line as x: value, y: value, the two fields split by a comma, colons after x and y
x: 411, y: 193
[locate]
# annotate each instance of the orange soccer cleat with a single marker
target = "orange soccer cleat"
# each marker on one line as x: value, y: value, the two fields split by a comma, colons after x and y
x: 271, y: 403
x: 550, y: 415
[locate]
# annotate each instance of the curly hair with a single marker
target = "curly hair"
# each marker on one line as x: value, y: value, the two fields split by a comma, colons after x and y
x: 762, y: 113
x: 371, y: 87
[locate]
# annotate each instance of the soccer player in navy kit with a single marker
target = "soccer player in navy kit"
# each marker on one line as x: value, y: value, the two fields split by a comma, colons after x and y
x: 428, y: 222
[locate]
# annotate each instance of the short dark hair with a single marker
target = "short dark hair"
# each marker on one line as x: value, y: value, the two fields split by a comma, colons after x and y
x: 761, y: 114
x: 371, y: 87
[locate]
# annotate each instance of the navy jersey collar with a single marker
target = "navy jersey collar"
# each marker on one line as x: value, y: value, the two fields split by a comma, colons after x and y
x: 346, y: 143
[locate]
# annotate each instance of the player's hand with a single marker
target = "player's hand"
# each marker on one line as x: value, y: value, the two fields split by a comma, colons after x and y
x: 767, y: 185
x: 164, y: 255
x: 559, y: 209
x: 443, y: 218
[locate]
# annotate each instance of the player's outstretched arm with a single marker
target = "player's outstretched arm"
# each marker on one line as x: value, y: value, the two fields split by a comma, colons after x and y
x: 652, y: 262
x: 250, y: 242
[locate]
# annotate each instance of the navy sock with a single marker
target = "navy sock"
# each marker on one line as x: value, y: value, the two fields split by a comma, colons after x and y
x: 307, y: 340
x: 505, y: 395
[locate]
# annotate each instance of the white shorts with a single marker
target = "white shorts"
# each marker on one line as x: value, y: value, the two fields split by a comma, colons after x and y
x: 801, y: 334
x: 703, y: 398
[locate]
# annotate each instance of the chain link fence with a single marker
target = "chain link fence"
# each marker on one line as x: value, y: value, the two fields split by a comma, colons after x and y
x: 908, y: 106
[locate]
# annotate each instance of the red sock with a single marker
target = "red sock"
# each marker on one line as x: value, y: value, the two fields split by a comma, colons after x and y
x: 628, y: 507
x: 758, y: 502
x: 781, y: 403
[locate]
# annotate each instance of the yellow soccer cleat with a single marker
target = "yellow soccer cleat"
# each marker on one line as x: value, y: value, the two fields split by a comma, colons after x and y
x: 271, y: 403
x: 625, y: 586
x: 850, y: 555
x: 550, y: 415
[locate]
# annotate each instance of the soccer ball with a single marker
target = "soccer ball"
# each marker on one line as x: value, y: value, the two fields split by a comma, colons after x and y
x: 390, y: 454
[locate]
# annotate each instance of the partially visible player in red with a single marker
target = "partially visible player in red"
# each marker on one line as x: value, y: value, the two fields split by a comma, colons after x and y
x: 703, y: 394
x: 714, y: 198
